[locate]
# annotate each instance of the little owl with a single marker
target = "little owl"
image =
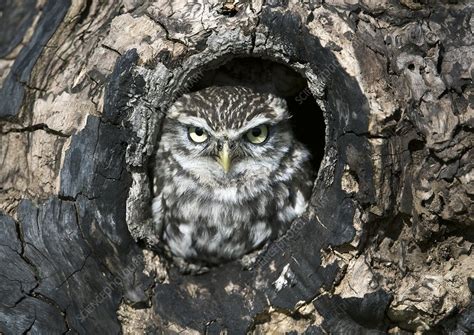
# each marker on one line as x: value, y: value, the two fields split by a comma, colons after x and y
x: 229, y: 174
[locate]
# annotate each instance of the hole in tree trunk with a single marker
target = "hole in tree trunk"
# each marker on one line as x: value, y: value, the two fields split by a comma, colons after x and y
x: 307, y: 120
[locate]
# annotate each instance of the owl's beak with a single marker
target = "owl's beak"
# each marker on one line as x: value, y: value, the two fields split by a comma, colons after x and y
x: 224, y: 158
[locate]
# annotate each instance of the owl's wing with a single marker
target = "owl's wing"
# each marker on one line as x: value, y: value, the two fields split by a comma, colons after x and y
x: 157, y: 209
x: 158, y: 202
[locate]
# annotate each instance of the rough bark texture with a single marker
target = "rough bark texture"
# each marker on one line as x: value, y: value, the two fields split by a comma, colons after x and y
x: 386, y: 244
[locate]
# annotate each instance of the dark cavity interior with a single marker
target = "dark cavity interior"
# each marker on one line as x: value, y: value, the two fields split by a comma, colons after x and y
x: 269, y: 76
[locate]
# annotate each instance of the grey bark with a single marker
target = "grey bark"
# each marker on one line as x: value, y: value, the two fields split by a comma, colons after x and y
x: 386, y: 244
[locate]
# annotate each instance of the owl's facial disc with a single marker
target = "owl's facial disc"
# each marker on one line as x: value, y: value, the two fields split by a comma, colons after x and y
x: 229, y: 147
x: 228, y: 136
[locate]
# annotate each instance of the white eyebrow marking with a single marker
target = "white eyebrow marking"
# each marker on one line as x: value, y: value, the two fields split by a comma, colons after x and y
x: 256, y: 121
x: 235, y: 133
x: 196, y: 122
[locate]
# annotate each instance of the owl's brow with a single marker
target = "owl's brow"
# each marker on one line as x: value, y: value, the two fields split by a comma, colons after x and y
x: 254, y: 122
x: 231, y: 133
x: 195, y: 122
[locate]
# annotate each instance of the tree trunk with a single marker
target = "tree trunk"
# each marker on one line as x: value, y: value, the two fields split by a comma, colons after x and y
x: 386, y: 243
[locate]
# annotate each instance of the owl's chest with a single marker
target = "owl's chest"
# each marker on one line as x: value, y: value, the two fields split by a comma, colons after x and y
x: 214, y: 214
x: 202, y: 225
x: 187, y: 201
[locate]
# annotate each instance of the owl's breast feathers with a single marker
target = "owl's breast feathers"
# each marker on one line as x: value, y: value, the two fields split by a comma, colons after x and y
x: 214, y: 224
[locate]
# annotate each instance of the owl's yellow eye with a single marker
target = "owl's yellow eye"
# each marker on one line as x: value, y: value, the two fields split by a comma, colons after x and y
x: 197, y: 135
x: 257, y: 135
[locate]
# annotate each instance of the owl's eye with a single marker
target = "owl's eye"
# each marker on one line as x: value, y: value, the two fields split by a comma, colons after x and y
x: 197, y: 135
x: 257, y: 135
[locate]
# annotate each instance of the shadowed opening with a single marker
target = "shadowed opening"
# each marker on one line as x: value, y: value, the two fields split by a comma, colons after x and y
x: 268, y: 76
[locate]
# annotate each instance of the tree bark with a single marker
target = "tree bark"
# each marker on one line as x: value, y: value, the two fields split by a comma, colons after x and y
x: 386, y: 243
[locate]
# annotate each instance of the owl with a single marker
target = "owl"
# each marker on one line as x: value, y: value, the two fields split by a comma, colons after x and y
x: 229, y: 174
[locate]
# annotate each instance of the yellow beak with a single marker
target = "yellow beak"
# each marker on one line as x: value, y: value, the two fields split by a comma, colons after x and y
x: 224, y: 158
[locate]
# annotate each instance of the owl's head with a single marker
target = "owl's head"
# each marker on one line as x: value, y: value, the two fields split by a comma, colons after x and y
x: 227, y: 134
